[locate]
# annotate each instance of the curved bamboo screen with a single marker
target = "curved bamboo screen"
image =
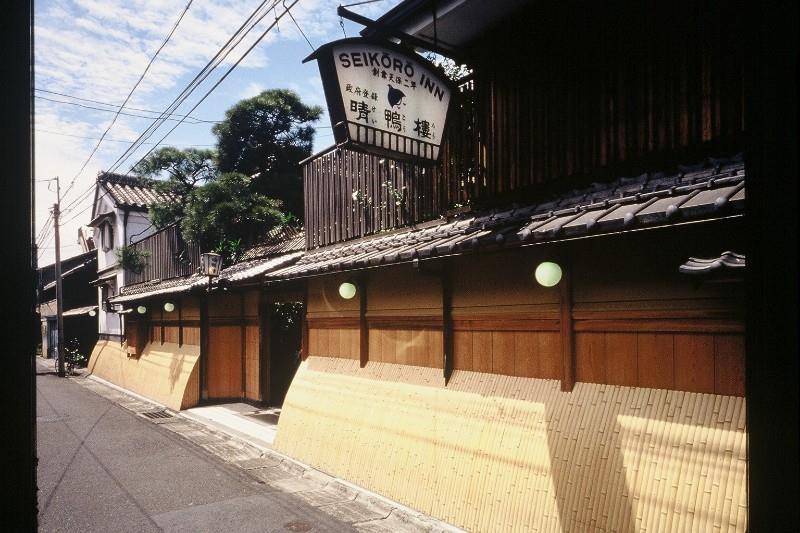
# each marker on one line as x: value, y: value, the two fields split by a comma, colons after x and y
x: 492, y: 452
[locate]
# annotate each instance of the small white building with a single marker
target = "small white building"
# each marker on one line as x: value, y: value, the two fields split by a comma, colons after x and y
x: 119, y: 218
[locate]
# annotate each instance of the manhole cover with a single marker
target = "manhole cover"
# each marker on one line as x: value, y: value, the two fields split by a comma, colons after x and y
x: 298, y: 525
x: 157, y: 414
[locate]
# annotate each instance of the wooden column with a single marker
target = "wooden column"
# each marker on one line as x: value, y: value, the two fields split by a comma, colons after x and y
x: 567, y: 330
x: 363, y: 330
x: 304, y: 325
x: 264, y: 338
x: 180, y: 322
x: 447, y: 320
x: 243, y: 344
x: 204, y: 325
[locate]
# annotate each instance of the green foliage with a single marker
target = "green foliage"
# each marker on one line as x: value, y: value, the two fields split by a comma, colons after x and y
x: 132, y: 259
x: 227, y: 215
x: 180, y: 172
x: 267, y: 136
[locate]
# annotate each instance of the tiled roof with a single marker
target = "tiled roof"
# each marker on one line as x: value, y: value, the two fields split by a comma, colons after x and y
x: 729, y: 261
x: 78, y: 311
x: 156, y: 287
x: 712, y: 189
x: 242, y: 271
x: 131, y: 191
x: 245, y: 270
x: 279, y: 241
x: 77, y: 268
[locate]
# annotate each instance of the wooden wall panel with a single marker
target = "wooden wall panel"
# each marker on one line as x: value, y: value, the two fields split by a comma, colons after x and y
x: 333, y: 342
x: 551, y: 364
x: 224, y: 362
x: 191, y: 335
x: 694, y: 363
x: 526, y: 354
x: 171, y: 334
x: 252, y: 384
x: 729, y: 364
x: 417, y: 347
x: 622, y: 359
x: 656, y: 360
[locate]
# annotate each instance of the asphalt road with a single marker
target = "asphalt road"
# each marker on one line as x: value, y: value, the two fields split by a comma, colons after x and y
x: 102, y: 468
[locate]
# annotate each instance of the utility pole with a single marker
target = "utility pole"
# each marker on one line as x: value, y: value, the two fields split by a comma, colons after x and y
x: 59, y: 293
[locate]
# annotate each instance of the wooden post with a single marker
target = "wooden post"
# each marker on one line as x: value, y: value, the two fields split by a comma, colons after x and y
x: 204, y: 326
x: 447, y: 321
x: 363, y: 339
x: 243, y: 344
x: 264, y: 338
x: 180, y: 321
x: 567, y: 331
x: 304, y: 325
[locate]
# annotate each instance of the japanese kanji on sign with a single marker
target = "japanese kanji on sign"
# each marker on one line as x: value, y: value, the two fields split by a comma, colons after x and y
x: 383, y: 98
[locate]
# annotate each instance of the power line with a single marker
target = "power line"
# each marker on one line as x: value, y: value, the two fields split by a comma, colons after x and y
x: 120, y: 112
x: 116, y: 140
x: 213, y: 87
x: 299, y: 28
x: 108, y: 104
x: 147, y: 68
x: 201, y: 76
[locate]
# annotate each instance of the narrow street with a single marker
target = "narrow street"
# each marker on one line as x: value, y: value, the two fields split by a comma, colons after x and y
x: 102, y: 468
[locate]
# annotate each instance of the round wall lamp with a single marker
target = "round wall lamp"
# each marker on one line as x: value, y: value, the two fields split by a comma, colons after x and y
x: 141, y: 309
x: 548, y: 274
x: 169, y: 307
x: 92, y: 313
x: 347, y: 290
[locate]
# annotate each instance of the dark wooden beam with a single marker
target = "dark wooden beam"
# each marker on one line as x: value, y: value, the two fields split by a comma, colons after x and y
x: 363, y: 327
x: 204, y: 347
x: 264, y: 354
x: 304, y: 326
x: 567, y: 330
x: 447, y: 320
x: 243, y: 344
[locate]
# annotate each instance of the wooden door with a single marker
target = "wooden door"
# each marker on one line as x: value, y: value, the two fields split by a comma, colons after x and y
x: 225, y: 362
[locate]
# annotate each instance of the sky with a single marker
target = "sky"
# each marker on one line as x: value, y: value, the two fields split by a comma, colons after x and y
x: 92, y: 52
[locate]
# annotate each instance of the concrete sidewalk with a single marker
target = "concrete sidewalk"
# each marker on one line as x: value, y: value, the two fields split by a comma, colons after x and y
x: 242, y: 435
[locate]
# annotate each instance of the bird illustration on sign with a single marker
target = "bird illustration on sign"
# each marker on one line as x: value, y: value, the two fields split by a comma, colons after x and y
x: 395, y: 96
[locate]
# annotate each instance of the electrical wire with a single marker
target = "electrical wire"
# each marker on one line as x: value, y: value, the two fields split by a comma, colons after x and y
x: 212, y: 64
x: 115, y: 140
x: 119, y: 111
x: 141, y: 77
x: 213, y: 87
x: 361, y: 3
x: 109, y: 104
x: 299, y: 28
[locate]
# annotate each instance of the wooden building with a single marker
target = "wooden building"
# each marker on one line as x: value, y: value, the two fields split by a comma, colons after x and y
x: 540, y: 329
x: 606, y: 139
x: 189, y: 342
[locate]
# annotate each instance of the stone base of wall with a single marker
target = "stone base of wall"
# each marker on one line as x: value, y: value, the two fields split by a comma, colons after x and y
x: 166, y: 373
x: 491, y: 452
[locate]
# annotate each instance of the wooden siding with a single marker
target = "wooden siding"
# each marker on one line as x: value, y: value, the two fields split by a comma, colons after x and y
x: 167, y: 256
x: 491, y: 453
x: 351, y: 194
x: 224, y: 362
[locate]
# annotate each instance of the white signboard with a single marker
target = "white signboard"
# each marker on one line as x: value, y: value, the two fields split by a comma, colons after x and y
x: 390, y: 98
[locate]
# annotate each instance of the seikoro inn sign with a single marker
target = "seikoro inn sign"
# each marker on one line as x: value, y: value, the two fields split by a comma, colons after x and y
x: 383, y: 98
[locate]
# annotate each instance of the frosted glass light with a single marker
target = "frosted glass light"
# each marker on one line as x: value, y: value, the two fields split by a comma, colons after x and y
x: 141, y: 309
x: 169, y: 307
x: 548, y: 274
x: 347, y: 290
